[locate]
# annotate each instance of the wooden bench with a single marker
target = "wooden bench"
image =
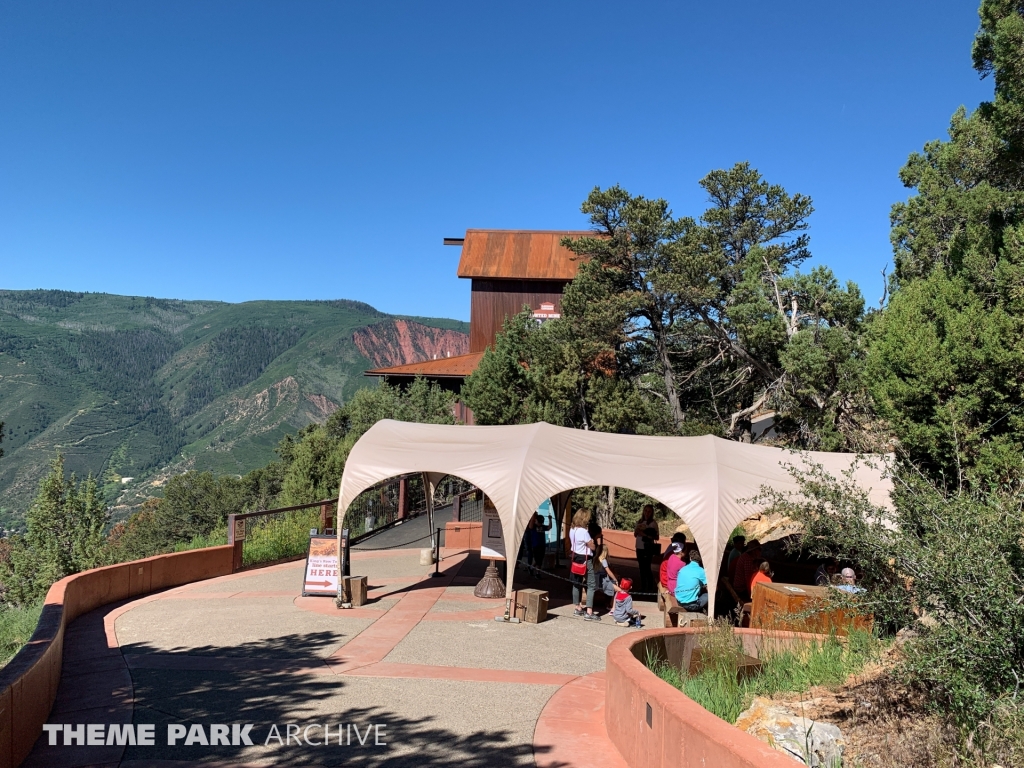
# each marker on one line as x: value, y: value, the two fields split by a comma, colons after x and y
x: 683, y: 618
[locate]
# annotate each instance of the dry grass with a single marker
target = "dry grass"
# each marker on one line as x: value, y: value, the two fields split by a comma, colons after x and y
x: 887, y: 724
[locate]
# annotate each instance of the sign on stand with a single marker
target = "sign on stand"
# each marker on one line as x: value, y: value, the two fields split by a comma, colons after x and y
x: 321, y: 576
x: 492, y: 541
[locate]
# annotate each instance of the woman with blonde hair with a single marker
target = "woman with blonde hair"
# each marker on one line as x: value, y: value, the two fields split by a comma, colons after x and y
x: 581, y: 566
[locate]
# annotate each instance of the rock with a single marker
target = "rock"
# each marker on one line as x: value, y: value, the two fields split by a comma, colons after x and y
x: 766, y: 528
x: 904, y: 635
x: 816, y: 744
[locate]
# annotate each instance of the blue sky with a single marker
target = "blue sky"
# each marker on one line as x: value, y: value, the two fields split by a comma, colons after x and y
x: 310, y: 150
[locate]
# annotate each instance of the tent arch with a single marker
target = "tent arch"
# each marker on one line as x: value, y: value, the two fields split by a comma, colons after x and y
x: 707, y: 481
x: 703, y: 543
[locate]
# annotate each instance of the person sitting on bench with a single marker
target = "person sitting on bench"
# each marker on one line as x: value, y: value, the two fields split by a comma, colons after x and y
x: 692, y: 585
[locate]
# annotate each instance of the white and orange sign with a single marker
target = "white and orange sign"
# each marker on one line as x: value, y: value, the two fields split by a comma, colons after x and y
x: 321, y: 576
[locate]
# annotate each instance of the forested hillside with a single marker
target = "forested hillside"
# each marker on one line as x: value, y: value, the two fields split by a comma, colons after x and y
x: 129, y: 387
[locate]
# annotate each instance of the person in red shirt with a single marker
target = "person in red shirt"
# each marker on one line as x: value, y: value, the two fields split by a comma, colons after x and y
x: 747, y: 565
x: 764, y: 575
x: 677, y: 538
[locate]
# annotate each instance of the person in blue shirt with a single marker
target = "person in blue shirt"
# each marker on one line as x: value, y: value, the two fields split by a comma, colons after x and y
x: 692, y: 585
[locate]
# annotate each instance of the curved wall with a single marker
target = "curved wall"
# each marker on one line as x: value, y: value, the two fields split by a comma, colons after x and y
x: 654, y: 725
x: 28, y: 684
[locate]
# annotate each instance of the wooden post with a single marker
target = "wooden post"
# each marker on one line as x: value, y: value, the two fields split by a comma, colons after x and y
x: 325, y: 519
x: 403, y: 496
x: 457, y: 508
x: 236, y: 542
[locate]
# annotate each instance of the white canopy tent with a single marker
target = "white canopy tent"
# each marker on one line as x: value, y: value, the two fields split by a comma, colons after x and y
x: 709, y: 482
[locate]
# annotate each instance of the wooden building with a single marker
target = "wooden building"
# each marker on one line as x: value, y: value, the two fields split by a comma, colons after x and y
x: 509, y: 269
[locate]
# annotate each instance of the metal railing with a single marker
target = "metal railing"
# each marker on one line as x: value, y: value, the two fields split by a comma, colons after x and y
x: 276, y: 535
x: 385, y: 503
x: 468, y: 507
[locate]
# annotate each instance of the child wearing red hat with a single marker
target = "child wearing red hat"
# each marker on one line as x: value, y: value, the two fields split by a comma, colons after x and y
x: 623, y: 612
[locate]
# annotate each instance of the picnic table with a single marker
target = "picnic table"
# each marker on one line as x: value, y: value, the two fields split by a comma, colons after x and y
x: 803, y: 608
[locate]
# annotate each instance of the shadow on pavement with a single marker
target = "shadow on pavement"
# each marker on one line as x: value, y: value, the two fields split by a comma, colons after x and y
x: 265, y: 697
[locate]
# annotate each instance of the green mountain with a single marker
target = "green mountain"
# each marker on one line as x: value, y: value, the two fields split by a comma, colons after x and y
x: 131, y: 389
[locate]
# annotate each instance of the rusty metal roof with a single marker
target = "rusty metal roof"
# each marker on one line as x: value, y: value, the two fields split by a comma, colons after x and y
x: 458, y: 367
x: 518, y: 254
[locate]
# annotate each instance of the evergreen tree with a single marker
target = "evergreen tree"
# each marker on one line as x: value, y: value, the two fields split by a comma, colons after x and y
x: 947, y: 355
x: 680, y: 326
x: 635, y: 255
x: 64, y: 535
x: 313, y: 464
x: 499, y: 391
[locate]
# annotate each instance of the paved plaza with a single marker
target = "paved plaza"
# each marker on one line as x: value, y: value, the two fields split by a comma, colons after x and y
x: 424, y: 660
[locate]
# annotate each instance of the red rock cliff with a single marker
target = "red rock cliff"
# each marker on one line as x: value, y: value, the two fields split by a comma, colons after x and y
x: 397, y: 342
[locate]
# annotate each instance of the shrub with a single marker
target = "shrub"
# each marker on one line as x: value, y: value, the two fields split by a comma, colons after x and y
x: 16, y: 627
x: 948, y: 564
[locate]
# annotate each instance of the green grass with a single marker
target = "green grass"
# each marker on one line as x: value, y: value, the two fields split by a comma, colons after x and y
x: 828, y: 662
x: 216, y: 538
x: 267, y: 539
x: 285, y: 535
x: 16, y: 627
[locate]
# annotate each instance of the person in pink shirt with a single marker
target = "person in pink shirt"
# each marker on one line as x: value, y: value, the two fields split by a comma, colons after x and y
x: 675, y: 564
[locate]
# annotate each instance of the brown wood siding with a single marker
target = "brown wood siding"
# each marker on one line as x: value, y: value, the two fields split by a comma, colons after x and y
x: 494, y: 300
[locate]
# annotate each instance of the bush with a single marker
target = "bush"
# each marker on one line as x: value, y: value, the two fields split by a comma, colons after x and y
x: 950, y: 565
x: 64, y: 535
x: 16, y: 627
x: 278, y: 537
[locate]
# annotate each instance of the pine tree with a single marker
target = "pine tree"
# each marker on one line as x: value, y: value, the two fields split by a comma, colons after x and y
x: 64, y: 535
x: 947, y: 355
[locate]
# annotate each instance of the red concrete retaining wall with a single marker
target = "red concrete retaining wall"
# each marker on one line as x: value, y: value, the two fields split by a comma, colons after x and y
x: 28, y: 684
x: 623, y: 543
x: 462, y: 535
x: 654, y: 725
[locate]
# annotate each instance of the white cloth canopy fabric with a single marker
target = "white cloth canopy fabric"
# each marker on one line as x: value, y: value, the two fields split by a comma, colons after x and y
x: 709, y: 482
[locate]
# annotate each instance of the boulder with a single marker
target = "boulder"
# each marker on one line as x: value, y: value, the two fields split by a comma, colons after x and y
x: 813, y: 743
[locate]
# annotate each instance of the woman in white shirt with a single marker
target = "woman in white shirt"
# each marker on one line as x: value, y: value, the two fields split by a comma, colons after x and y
x: 581, y: 545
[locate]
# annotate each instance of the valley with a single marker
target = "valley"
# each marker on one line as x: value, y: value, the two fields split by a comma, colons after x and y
x: 132, y: 389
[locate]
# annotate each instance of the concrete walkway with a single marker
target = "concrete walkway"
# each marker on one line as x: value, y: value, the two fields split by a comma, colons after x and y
x: 423, y: 665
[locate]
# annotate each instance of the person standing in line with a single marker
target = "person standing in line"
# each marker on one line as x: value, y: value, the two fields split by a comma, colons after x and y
x: 536, y: 542
x: 581, y: 545
x: 739, y: 543
x: 746, y: 565
x: 646, y: 534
